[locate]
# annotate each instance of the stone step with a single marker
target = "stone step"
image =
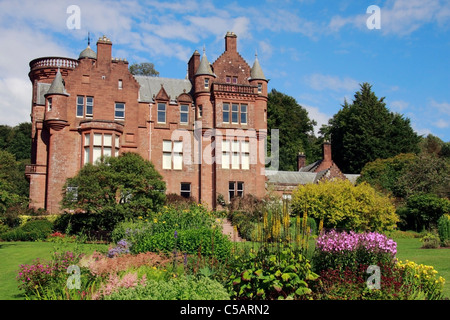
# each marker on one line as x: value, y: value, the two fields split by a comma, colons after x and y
x: 228, y: 229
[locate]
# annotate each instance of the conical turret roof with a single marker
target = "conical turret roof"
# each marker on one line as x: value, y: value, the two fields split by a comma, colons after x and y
x: 256, y: 73
x: 205, y: 67
x: 57, y: 86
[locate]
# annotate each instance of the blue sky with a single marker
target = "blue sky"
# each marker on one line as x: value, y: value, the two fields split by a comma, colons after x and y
x: 313, y: 50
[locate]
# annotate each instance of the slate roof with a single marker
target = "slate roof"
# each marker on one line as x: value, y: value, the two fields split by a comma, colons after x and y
x: 290, y: 177
x: 88, y: 53
x: 256, y: 73
x: 205, y: 67
x: 57, y: 86
x: 150, y: 87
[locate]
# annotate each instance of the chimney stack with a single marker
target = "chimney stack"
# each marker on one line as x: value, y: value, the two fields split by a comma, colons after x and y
x: 230, y: 41
x: 301, y: 160
x: 327, y: 152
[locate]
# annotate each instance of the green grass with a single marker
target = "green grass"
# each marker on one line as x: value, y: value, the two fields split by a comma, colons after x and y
x: 410, y: 249
x: 13, y: 254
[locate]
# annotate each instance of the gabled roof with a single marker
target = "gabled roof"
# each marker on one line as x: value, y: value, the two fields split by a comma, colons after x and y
x: 290, y: 177
x: 150, y: 87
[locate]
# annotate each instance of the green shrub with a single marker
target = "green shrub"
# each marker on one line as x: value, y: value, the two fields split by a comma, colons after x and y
x: 210, y: 242
x: 129, y: 230
x: 430, y: 241
x: 30, y: 231
x: 444, y: 228
x: 181, y: 288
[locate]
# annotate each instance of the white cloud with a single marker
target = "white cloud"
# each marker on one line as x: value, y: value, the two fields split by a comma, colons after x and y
x: 442, y: 124
x: 322, y: 82
x: 441, y: 107
x: 399, y: 105
x: 315, y: 114
x: 399, y: 17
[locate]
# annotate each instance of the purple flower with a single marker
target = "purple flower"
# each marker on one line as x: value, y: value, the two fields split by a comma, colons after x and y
x: 176, y: 234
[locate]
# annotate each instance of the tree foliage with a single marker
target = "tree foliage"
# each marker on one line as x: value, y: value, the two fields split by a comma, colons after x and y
x: 144, y: 69
x: 295, y: 130
x: 127, y: 181
x: 16, y: 140
x: 366, y: 130
x: 340, y: 204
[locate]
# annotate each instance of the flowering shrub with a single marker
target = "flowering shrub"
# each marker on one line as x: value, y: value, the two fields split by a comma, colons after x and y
x: 423, y: 279
x: 59, y: 237
x: 336, y: 250
x: 32, y: 278
x: 115, y: 282
x: 351, y: 284
x: 122, y: 247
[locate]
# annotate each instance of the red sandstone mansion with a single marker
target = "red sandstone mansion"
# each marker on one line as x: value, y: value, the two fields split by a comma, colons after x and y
x: 205, y: 133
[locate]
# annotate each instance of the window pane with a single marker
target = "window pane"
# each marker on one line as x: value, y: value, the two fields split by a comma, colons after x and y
x: 240, y: 189
x: 119, y: 111
x: 117, y: 141
x: 161, y: 113
x: 234, y: 113
x: 185, y: 190
x: 167, y: 160
x: 235, y: 146
x: 245, y: 161
x: 89, y: 106
x: 235, y: 161
x: 116, y: 153
x: 80, y: 106
x: 97, y: 139
x: 87, y: 153
x: 225, y: 145
x: 178, y: 146
x: 230, y: 190
x: 177, y: 161
x: 97, y: 153
x: 245, y: 146
x: 225, y: 160
x: 243, y: 113
x: 107, y: 152
x: 87, y: 139
x: 183, y: 118
x: 167, y: 146
x: 184, y: 108
x: 107, y: 140
x: 226, y: 112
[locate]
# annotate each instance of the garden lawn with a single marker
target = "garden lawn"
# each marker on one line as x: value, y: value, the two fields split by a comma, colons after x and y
x: 410, y: 249
x: 13, y: 254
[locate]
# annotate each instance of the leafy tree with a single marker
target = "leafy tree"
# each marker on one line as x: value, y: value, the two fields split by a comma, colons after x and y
x: 16, y: 140
x: 366, y: 130
x: 295, y: 130
x: 422, y: 211
x: 383, y: 174
x: 127, y: 181
x: 427, y: 174
x: 144, y: 69
x: 340, y: 204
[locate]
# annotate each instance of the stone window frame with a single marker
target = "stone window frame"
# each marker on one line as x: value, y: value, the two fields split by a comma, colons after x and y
x: 235, y: 189
x: 89, y: 145
x: 116, y: 104
x: 162, y: 112
x: 172, y: 156
x: 185, y: 113
x: 186, y: 192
